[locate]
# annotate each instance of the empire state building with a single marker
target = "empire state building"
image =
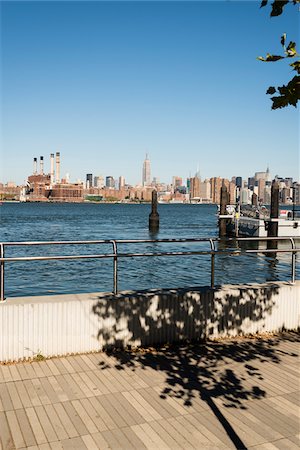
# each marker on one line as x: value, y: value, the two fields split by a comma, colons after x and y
x: 146, y: 172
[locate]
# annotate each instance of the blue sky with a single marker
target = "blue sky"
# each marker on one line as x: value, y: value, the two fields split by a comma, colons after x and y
x: 106, y: 82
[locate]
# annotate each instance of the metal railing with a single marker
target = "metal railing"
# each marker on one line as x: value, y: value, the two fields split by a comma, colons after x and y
x: 115, y: 255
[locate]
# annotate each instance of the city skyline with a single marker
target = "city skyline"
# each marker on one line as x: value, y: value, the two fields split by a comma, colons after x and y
x: 109, y: 82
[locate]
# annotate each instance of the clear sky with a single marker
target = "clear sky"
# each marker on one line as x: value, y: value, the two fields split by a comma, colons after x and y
x: 106, y: 82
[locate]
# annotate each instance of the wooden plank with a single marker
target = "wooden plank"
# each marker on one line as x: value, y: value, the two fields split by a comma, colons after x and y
x: 120, y: 404
x: 52, y: 367
x: 112, y: 441
x: 176, y: 435
x: 15, y: 398
x: 49, y: 391
x: 37, y: 385
x: 154, y: 436
x: 26, y: 402
x: 131, y: 411
x: 158, y: 403
x: 88, y: 382
x: 89, y: 442
x: 56, y: 445
x: 139, y: 398
x: 82, y: 413
x: 15, y: 429
x: 97, y: 382
x: 76, y: 420
x: 65, y: 421
x: 14, y: 372
x: 56, y: 423
x: 77, y: 392
x: 6, y: 375
x: 141, y: 409
x: 25, y: 426
x: 37, y: 369
x: 122, y: 438
x: 82, y: 385
x: 61, y: 395
x: 109, y: 422
x: 201, y: 439
x: 7, y: 404
x: 133, y: 438
x: 75, y: 443
x: 143, y: 436
x: 46, y: 424
x: 105, y: 402
x: 100, y: 441
x: 168, y: 438
x: 93, y: 414
x: 36, y: 426
x: 6, y: 439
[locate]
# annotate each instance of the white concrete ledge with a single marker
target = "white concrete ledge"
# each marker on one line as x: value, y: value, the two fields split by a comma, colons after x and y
x: 66, y: 324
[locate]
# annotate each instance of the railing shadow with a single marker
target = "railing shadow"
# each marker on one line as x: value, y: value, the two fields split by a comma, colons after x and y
x: 198, y: 368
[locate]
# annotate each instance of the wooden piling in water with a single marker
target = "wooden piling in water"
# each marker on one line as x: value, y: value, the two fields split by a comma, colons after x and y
x: 154, y: 216
x: 274, y: 214
x: 223, y: 203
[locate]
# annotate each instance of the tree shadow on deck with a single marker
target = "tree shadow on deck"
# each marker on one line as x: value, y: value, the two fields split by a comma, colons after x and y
x: 194, y: 366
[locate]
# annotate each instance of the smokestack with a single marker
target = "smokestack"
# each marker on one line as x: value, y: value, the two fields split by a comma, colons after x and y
x: 51, y: 168
x: 34, y: 166
x: 57, y: 172
x: 41, y: 165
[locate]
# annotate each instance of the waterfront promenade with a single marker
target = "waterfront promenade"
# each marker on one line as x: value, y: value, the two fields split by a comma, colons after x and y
x: 241, y: 393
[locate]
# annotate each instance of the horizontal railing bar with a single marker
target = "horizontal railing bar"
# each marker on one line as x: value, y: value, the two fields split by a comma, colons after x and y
x: 136, y: 255
x: 137, y: 241
x: 46, y: 258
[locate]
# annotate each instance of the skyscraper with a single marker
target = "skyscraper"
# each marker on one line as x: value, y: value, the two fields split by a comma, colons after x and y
x: 146, y: 172
x: 89, y: 180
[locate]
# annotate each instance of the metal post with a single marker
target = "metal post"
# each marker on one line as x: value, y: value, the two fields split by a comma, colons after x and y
x: 212, y: 272
x: 115, y: 267
x: 2, y: 296
x: 293, y: 261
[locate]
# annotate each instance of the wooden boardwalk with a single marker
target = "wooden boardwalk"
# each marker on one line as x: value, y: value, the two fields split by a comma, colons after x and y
x: 230, y: 394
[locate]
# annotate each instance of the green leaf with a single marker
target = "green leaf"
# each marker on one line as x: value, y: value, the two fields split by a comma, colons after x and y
x: 296, y: 66
x: 289, y: 94
x: 273, y: 57
x: 263, y: 3
x: 271, y: 90
x: 283, y: 38
x: 277, y: 7
x: 291, y: 50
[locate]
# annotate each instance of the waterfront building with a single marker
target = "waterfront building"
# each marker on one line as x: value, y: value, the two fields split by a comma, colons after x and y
x: 99, y: 181
x: 146, y: 175
x: 195, y: 188
x: 121, y: 182
x: 109, y: 182
x: 205, y: 191
x: 176, y: 182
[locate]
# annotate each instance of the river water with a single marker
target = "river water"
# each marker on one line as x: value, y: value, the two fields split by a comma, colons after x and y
x: 64, y: 222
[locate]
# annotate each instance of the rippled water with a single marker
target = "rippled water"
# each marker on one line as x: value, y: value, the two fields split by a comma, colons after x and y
x: 38, y: 221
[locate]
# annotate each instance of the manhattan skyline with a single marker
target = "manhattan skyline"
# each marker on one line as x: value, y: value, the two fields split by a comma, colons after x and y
x: 106, y: 82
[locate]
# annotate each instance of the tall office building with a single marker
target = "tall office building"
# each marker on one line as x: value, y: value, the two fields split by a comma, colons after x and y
x: 99, y: 181
x: 89, y: 180
x: 110, y: 182
x: 121, y: 182
x: 146, y: 172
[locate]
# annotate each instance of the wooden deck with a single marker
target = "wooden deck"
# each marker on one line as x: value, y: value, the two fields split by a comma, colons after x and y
x: 230, y: 394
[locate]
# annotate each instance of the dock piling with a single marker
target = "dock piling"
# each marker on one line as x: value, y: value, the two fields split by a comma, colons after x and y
x: 154, y: 216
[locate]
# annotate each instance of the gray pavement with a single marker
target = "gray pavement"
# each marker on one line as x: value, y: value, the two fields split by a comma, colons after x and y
x: 240, y: 393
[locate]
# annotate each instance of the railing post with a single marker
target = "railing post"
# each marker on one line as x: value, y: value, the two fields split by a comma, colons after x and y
x: 115, y: 267
x: 293, y: 261
x: 2, y: 295
x: 212, y: 271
